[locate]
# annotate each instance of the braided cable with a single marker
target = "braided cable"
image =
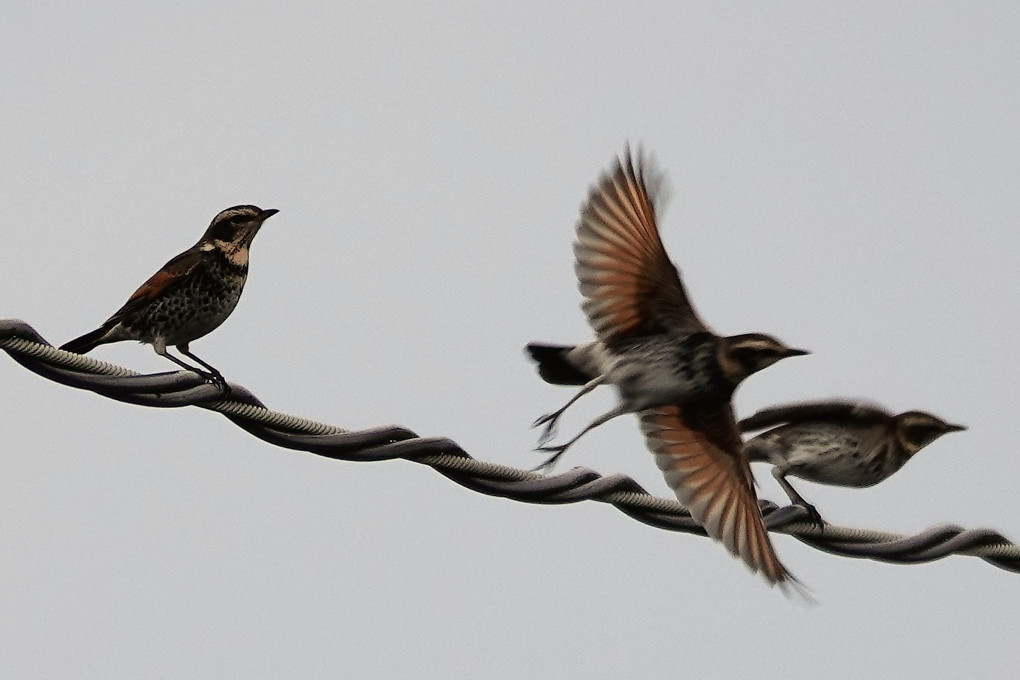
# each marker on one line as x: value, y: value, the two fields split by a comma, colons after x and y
x: 185, y: 388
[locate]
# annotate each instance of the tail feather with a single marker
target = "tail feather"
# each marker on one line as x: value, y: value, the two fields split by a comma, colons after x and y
x: 87, y: 342
x: 554, y: 366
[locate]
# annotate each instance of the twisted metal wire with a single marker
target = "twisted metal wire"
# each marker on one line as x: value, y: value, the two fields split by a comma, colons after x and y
x: 185, y: 388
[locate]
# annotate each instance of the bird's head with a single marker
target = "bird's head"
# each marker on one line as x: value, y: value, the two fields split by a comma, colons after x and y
x: 916, y: 429
x: 742, y: 355
x: 233, y: 229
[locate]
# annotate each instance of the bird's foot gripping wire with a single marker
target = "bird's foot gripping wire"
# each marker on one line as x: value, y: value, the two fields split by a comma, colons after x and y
x: 211, y: 374
x: 813, y: 515
x: 214, y: 378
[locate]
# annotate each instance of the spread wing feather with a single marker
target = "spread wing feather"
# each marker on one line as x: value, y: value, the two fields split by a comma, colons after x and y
x: 630, y: 286
x: 701, y: 456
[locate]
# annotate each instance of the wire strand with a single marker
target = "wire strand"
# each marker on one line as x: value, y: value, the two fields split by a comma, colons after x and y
x: 185, y: 388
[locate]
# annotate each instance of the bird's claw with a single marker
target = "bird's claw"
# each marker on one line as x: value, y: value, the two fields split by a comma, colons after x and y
x: 216, y: 379
x: 549, y: 462
x: 550, y: 421
x: 813, y: 516
x: 548, y: 434
x: 542, y: 420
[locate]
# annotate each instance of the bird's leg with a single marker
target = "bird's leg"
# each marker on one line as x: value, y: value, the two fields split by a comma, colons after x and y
x: 162, y: 351
x: 795, y: 498
x: 559, y: 450
x: 549, y: 419
x: 216, y: 376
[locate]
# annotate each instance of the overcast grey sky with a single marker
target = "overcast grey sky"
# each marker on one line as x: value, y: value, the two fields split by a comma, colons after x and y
x: 844, y: 176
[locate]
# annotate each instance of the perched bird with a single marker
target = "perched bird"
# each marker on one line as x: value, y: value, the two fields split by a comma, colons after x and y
x: 665, y: 363
x: 843, y: 443
x: 190, y: 296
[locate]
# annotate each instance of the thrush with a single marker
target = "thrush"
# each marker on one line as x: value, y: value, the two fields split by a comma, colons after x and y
x: 190, y: 296
x: 842, y: 443
x: 664, y: 361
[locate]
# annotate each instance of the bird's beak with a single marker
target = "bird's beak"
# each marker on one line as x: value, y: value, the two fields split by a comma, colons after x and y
x: 954, y: 428
x: 266, y: 214
x: 791, y: 352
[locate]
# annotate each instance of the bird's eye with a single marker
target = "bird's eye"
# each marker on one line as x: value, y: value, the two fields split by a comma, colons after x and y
x: 922, y: 434
x: 225, y: 230
x: 746, y: 355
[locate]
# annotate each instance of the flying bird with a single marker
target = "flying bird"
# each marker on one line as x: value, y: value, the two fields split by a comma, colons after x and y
x: 665, y: 362
x: 842, y: 443
x: 190, y: 296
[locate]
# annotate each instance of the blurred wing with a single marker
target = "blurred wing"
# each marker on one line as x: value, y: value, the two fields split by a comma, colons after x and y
x: 629, y: 284
x: 701, y: 455
x: 860, y: 412
x: 171, y: 275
